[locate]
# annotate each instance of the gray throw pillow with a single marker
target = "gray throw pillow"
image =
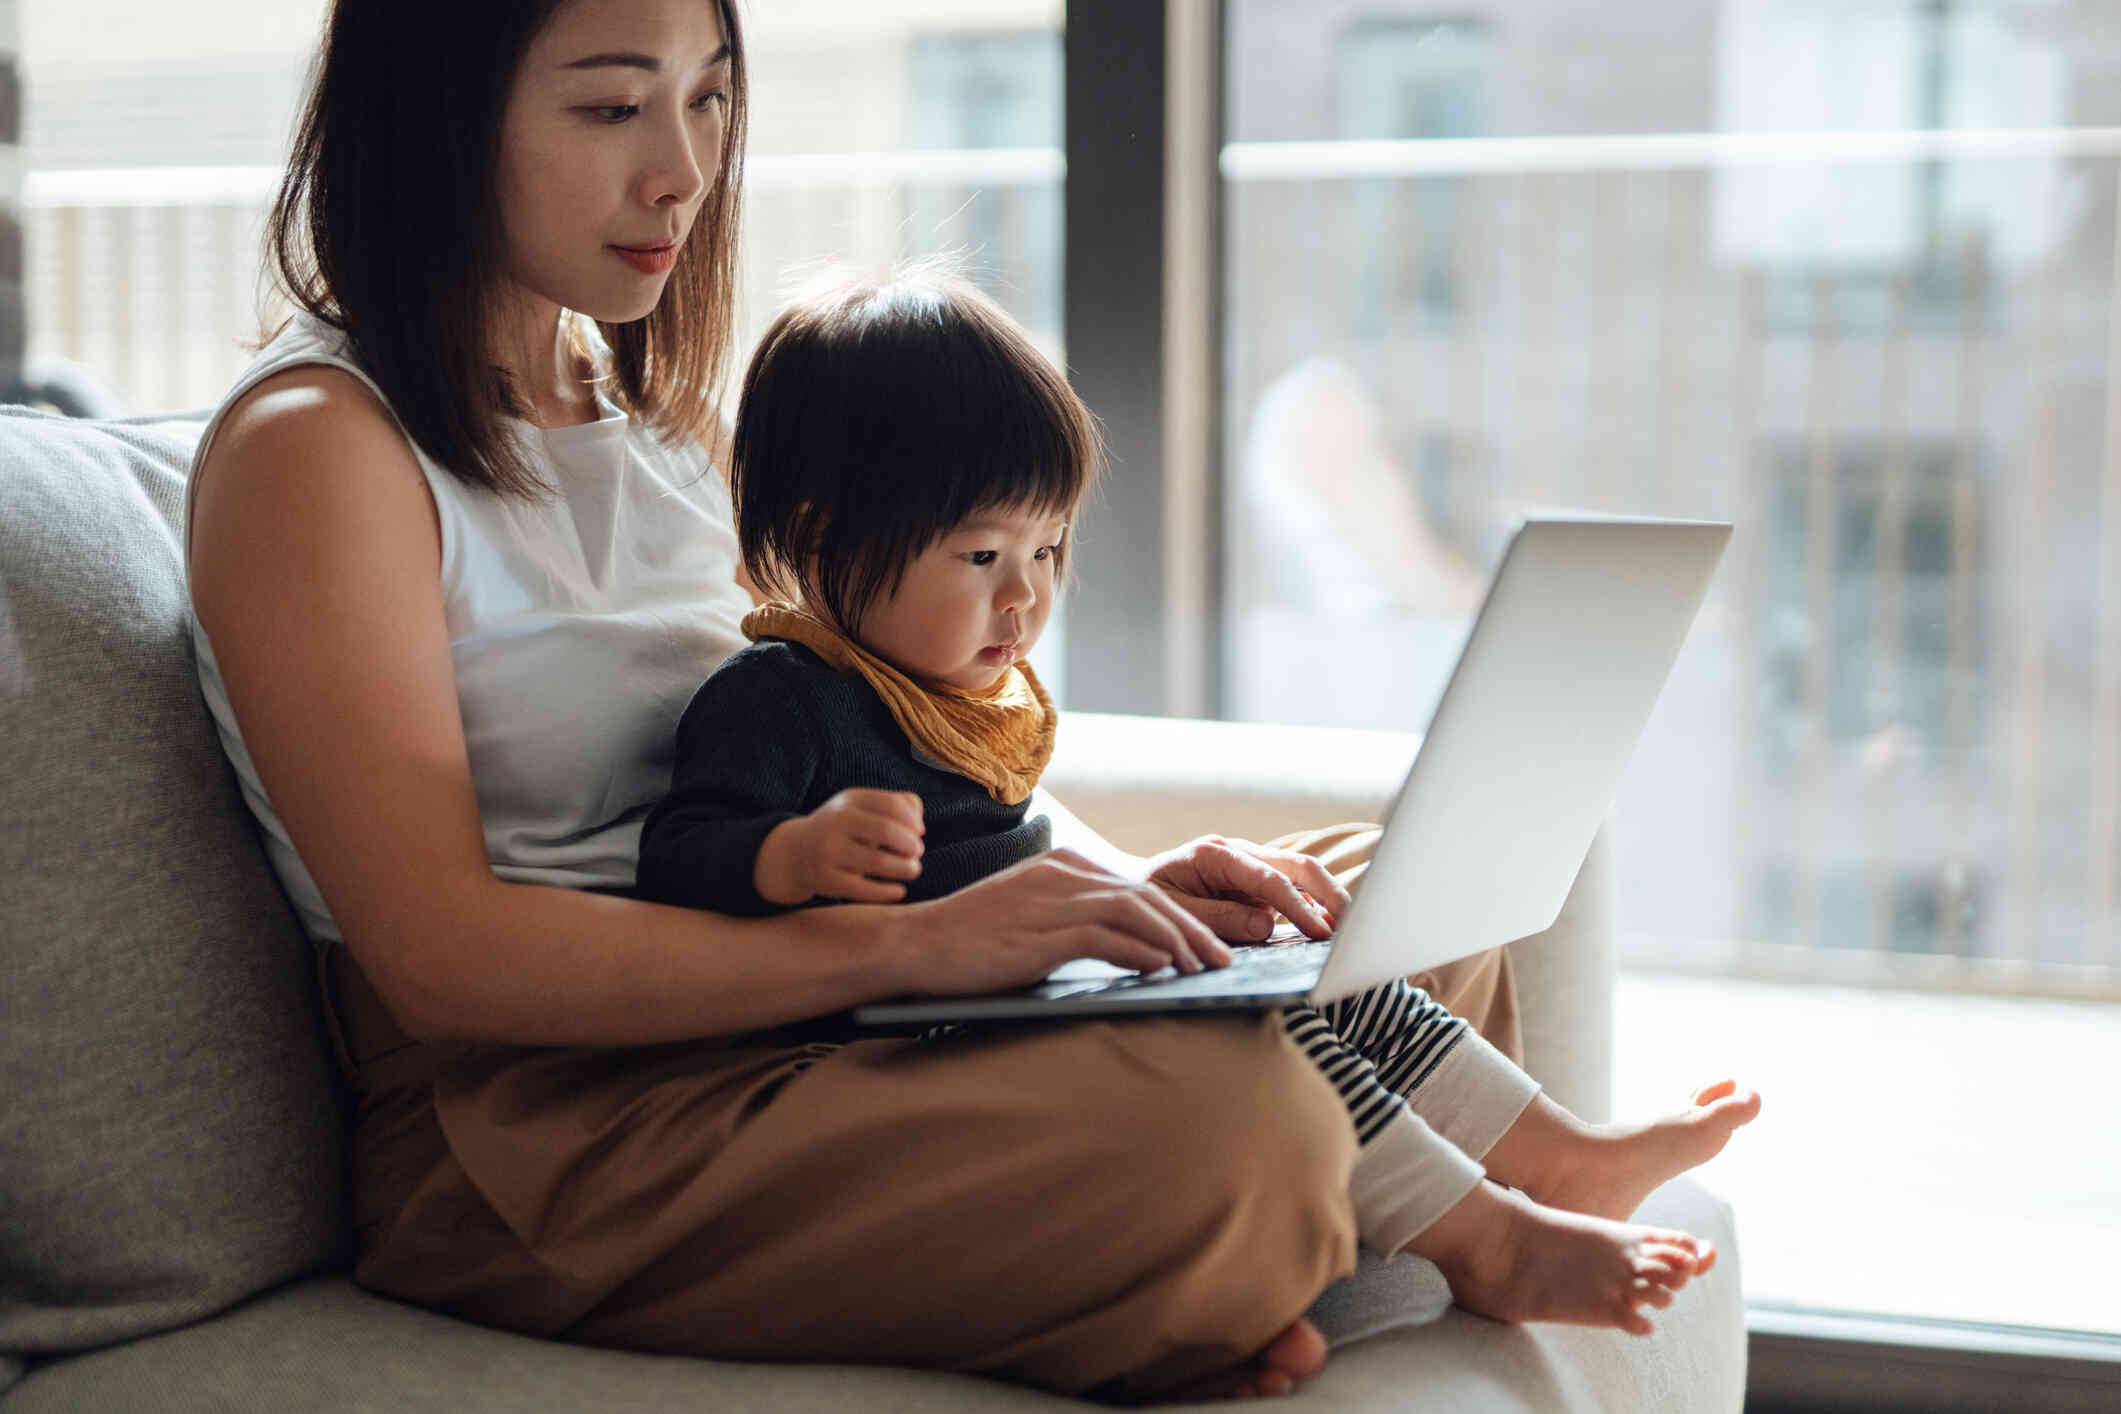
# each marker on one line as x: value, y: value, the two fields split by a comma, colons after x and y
x: 171, y: 1134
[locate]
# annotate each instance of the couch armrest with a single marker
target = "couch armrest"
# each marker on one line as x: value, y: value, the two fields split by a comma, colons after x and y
x: 1565, y: 979
x: 1146, y: 783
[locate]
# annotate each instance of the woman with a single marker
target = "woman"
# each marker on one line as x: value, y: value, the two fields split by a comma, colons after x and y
x: 456, y: 563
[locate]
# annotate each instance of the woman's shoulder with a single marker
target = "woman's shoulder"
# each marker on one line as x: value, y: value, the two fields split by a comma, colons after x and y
x: 303, y: 392
x: 306, y: 423
x: 308, y: 442
x: 303, y: 402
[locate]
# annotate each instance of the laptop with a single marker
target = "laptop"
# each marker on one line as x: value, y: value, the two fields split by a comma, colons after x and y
x: 1572, y: 645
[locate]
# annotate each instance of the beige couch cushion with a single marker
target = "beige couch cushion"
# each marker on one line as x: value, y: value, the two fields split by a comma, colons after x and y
x: 170, y: 1134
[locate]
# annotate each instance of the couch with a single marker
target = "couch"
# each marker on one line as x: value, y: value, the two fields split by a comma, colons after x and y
x: 173, y: 1231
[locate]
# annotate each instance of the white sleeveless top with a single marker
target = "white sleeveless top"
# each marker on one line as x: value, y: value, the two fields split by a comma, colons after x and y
x: 579, y: 627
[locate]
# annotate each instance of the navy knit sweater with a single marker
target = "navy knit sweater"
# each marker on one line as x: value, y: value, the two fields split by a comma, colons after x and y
x: 775, y: 733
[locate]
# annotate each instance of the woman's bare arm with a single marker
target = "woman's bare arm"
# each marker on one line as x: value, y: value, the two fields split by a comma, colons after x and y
x: 316, y: 564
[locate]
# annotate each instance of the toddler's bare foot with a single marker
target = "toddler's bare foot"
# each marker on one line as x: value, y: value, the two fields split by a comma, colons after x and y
x: 1295, y: 1355
x: 1512, y: 1259
x: 1616, y: 1167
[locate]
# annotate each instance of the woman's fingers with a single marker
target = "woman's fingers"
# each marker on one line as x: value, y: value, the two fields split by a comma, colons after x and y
x: 1199, y: 936
x: 1138, y: 910
x: 1236, y: 866
x: 1312, y: 877
x: 1150, y: 915
x: 1017, y: 926
x: 1121, y: 949
x: 1227, y: 917
x: 1209, y: 948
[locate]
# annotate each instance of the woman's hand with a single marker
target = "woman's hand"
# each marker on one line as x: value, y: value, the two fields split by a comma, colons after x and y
x: 1012, y: 928
x: 1236, y: 887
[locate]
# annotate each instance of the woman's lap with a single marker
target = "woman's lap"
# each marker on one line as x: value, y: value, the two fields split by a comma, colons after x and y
x: 1140, y: 1202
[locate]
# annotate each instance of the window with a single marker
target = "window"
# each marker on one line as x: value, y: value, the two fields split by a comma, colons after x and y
x: 1843, y: 274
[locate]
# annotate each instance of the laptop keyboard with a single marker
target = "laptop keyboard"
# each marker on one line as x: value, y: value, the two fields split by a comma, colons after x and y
x: 1278, y: 962
x: 1259, y: 968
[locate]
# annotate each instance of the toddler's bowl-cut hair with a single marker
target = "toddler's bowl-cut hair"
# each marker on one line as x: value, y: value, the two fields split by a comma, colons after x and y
x: 876, y: 416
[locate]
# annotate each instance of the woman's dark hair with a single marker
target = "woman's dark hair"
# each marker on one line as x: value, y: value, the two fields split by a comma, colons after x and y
x: 877, y: 416
x: 399, y: 140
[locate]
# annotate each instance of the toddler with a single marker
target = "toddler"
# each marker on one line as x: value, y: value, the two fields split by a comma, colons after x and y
x: 905, y: 472
x: 879, y: 739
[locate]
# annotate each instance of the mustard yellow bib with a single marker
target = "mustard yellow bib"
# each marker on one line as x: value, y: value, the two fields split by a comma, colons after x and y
x: 1001, y: 738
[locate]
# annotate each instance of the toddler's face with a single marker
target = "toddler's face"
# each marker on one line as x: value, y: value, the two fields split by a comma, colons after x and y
x: 972, y: 603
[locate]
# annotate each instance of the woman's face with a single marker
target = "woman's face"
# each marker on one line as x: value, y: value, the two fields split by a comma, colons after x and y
x: 972, y: 603
x: 611, y: 138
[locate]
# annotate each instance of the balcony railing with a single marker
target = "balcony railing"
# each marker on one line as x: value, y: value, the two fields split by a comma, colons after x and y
x: 150, y: 276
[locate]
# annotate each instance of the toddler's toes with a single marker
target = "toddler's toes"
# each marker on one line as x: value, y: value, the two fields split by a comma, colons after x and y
x: 1654, y: 1294
x: 1667, y: 1266
x: 1669, y: 1237
x: 1697, y: 1253
x: 1724, y: 1105
x: 1709, y: 1094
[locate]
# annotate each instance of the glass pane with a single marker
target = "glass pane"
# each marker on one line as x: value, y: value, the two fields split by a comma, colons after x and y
x: 883, y: 133
x: 1840, y: 273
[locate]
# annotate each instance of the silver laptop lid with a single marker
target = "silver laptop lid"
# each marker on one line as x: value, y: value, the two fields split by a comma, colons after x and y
x: 1580, y: 628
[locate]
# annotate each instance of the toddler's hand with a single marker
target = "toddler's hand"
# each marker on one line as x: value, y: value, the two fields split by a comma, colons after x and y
x: 861, y: 845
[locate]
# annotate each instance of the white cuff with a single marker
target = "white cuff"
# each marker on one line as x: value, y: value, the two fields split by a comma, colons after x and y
x: 1405, y: 1178
x: 1474, y: 1095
